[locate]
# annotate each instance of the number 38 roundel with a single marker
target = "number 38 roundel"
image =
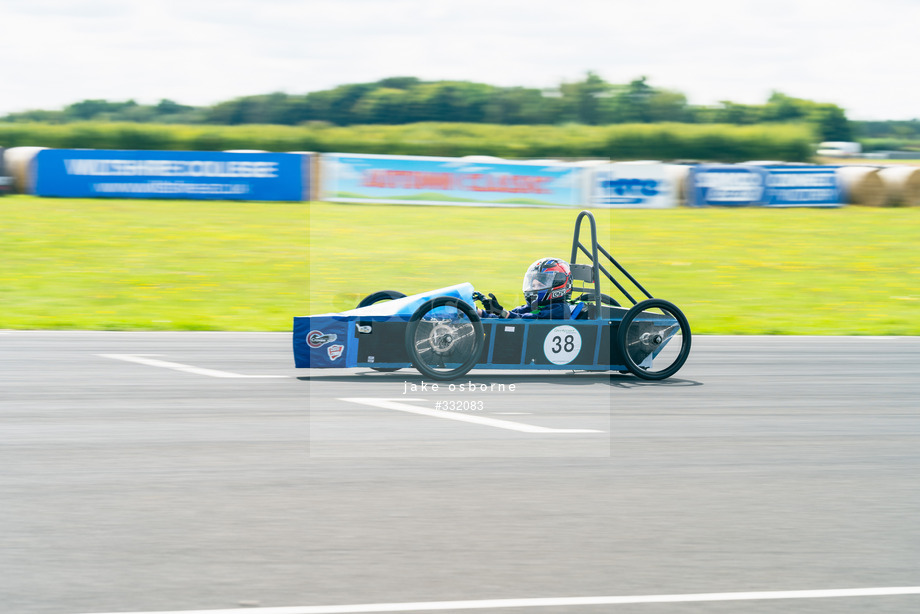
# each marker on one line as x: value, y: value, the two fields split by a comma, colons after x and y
x: 562, y: 345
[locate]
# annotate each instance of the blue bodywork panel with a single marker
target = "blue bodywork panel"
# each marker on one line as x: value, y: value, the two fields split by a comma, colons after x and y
x: 331, y: 339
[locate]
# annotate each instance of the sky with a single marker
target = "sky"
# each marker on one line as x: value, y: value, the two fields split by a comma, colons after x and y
x: 858, y: 54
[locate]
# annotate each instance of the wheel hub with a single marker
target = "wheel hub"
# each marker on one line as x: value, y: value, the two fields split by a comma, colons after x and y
x: 441, y: 338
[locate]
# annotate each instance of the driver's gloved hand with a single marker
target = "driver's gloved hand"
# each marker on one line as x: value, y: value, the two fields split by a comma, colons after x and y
x: 491, y: 305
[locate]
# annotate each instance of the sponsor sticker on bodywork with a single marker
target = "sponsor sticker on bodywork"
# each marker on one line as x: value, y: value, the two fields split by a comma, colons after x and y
x: 317, y: 338
x: 334, y: 351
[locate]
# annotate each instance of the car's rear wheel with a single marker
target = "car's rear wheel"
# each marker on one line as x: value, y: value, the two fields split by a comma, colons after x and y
x: 654, y: 338
x: 444, y: 338
x: 605, y: 299
x: 376, y: 297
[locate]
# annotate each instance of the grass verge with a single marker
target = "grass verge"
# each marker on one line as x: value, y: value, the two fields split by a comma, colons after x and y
x: 193, y: 265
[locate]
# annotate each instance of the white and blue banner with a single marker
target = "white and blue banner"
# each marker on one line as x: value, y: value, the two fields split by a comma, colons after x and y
x: 6, y: 181
x: 769, y: 186
x: 803, y: 186
x: 619, y: 185
x: 419, y: 180
x: 172, y: 174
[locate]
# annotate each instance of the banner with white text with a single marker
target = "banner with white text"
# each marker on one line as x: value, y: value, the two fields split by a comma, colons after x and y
x: 198, y: 175
x: 737, y: 185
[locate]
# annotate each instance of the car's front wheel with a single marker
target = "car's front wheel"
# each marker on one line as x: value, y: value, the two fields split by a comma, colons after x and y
x: 444, y: 338
x: 654, y: 338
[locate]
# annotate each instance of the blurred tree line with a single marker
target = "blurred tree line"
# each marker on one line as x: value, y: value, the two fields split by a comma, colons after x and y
x: 405, y: 100
x: 635, y: 141
x: 888, y: 135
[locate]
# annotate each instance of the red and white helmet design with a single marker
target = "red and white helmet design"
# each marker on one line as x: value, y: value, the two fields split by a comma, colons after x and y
x: 547, y: 280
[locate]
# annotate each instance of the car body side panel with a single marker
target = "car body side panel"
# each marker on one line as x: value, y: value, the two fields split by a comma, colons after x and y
x: 324, y: 342
x: 509, y: 344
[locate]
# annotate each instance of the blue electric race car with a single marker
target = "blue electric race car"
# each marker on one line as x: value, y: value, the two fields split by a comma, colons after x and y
x: 440, y: 333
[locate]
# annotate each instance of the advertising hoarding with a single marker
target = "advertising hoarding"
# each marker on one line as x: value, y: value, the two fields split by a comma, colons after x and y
x: 641, y: 185
x: 418, y: 180
x: 6, y: 181
x: 803, y: 186
x: 770, y: 186
x: 172, y: 174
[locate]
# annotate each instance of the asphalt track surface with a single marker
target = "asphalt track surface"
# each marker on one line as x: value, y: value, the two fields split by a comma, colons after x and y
x: 200, y: 471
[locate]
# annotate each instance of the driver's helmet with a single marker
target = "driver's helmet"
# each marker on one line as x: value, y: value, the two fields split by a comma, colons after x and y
x: 547, y: 280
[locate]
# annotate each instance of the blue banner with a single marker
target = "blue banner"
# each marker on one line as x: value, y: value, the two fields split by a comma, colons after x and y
x: 172, y: 174
x: 770, y: 186
x: 726, y: 185
x: 447, y: 181
x: 803, y: 186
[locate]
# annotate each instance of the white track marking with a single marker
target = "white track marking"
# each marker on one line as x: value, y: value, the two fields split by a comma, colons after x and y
x: 484, y: 604
x: 152, y: 362
x: 399, y: 405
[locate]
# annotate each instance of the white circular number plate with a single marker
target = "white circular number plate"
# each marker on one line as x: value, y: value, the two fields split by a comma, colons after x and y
x: 562, y: 345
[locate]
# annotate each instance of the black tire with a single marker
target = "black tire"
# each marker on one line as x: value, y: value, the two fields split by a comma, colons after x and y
x: 447, y: 345
x: 644, y: 334
x: 376, y: 297
x: 605, y: 299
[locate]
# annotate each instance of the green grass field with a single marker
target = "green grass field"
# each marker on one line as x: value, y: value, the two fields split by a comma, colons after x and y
x: 190, y: 265
x: 157, y: 265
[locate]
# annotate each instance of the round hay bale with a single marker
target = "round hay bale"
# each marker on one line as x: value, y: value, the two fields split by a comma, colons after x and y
x: 862, y: 186
x: 19, y: 163
x: 679, y: 177
x: 902, y: 184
